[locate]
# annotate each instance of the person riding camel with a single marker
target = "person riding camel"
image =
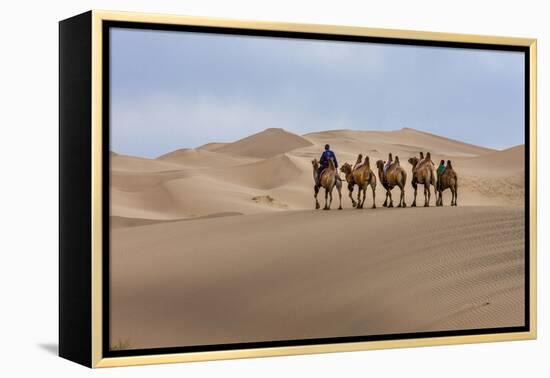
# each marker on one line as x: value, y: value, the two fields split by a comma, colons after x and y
x: 388, y: 165
x: 440, y: 171
x: 325, y: 157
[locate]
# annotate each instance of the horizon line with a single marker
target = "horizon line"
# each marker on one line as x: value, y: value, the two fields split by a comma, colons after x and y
x: 500, y: 148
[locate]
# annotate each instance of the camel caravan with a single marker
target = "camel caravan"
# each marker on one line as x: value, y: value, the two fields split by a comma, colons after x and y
x: 390, y: 175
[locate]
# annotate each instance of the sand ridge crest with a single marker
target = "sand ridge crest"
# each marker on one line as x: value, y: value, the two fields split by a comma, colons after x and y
x: 265, y: 144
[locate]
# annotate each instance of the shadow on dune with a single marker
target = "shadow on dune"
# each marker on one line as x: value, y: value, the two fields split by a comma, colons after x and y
x: 121, y: 222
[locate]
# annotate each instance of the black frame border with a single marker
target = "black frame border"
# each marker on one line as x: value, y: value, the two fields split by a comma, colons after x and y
x: 107, y: 25
x: 75, y: 189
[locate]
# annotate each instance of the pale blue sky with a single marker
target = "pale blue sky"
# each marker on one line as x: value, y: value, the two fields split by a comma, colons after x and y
x: 172, y: 90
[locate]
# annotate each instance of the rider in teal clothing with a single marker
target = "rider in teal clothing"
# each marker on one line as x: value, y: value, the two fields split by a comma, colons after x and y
x: 440, y: 171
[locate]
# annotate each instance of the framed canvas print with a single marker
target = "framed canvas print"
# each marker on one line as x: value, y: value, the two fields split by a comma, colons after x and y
x: 235, y: 189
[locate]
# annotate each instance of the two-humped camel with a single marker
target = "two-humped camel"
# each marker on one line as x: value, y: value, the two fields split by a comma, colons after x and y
x: 348, y: 173
x: 362, y: 176
x: 448, y: 180
x: 327, y: 179
x: 423, y: 173
x: 395, y: 176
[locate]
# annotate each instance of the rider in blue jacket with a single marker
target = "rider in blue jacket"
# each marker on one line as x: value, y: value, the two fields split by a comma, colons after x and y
x: 327, y: 154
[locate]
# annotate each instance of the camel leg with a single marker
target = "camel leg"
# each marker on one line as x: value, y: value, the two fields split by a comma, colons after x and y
x: 316, y: 190
x: 456, y: 195
x: 415, y: 186
x: 339, y: 188
x: 330, y: 196
x: 427, y: 195
x: 326, y: 199
x: 391, y: 199
x: 385, y: 204
x: 358, y: 197
x: 350, y: 192
x: 373, y: 187
x: 364, y: 190
x: 453, y: 193
x: 402, y: 199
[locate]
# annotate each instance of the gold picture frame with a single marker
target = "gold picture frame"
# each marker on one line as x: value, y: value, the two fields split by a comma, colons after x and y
x: 90, y: 327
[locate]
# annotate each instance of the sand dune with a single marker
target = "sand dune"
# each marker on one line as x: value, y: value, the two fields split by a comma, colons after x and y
x: 124, y: 163
x: 404, y: 140
x: 186, y: 197
x: 311, y: 274
x: 198, y: 158
x: 225, y: 177
x: 265, y: 144
x: 266, y: 174
x: 498, y: 163
x: 184, y: 193
x: 499, y: 174
x: 220, y: 244
x: 123, y: 222
x: 211, y: 146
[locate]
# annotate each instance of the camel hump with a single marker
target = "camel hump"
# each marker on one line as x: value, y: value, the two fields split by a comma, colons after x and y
x: 449, y: 165
x: 428, y: 156
x: 367, y: 161
x: 397, y: 160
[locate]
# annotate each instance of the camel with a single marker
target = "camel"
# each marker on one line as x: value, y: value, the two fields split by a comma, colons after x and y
x: 362, y: 176
x: 395, y: 176
x: 328, y: 180
x: 429, y: 160
x: 348, y: 172
x: 448, y: 180
x: 423, y: 173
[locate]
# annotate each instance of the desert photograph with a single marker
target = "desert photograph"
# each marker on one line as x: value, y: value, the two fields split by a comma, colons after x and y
x: 272, y: 189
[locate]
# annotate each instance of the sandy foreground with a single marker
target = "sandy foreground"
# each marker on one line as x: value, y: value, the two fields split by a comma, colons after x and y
x: 220, y: 244
x: 312, y: 274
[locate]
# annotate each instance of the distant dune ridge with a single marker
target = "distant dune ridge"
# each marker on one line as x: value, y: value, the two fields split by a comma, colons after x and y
x: 221, y: 243
x: 267, y: 143
x: 224, y: 177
